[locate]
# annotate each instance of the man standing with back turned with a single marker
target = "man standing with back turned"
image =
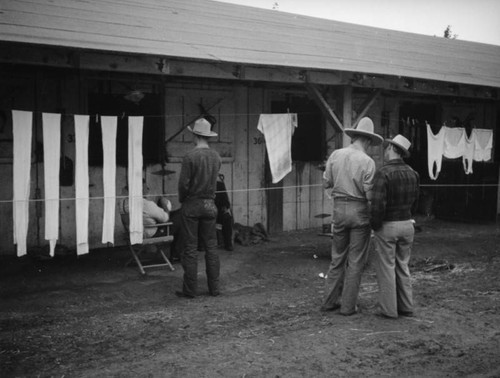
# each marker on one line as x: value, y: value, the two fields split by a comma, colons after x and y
x: 197, y: 185
x: 395, y: 196
x: 349, y: 173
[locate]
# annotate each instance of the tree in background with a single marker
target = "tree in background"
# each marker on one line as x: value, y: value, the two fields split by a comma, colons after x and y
x: 448, y: 33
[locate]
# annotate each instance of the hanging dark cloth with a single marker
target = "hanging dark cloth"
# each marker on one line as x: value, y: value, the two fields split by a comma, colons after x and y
x: 225, y: 219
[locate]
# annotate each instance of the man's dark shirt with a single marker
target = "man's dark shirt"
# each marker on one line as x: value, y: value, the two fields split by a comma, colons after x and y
x: 198, y: 176
x: 395, y: 193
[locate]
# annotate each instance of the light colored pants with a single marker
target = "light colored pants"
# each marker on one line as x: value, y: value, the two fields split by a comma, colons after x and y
x: 393, y: 244
x: 351, y: 240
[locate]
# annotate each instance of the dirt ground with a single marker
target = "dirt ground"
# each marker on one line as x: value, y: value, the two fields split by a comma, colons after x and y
x: 92, y: 317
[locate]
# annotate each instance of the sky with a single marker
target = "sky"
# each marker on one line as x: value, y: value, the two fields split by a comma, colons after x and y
x: 469, y: 20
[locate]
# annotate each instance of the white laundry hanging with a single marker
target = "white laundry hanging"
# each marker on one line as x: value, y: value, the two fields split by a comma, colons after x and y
x: 468, y: 157
x: 454, y: 142
x: 135, y: 126
x: 51, y: 124
x: 278, y: 130
x: 108, y: 128
x: 435, y: 147
x: 82, y: 183
x: 484, y: 144
x: 22, y: 123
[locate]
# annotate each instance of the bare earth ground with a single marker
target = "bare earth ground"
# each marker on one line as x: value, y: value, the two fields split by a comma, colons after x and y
x: 91, y: 317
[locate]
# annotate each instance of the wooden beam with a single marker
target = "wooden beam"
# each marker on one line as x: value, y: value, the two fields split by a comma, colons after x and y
x: 347, y: 112
x: 366, y: 106
x: 324, y: 107
x: 63, y: 57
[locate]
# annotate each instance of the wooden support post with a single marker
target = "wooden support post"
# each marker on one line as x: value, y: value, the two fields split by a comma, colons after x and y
x: 347, y: 112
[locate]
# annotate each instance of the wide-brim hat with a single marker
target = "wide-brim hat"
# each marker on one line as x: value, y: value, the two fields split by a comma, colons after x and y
x: 402, y: 143
x: 365, y: 128
x: 202, y: 127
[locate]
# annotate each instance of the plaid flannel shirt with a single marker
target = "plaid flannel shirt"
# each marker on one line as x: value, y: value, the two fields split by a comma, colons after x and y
x: 395, y: 193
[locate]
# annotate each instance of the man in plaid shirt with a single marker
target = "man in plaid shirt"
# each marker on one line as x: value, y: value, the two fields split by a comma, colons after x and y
x: 394, y: 199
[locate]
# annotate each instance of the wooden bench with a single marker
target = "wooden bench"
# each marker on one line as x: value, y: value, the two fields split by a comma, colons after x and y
x: 137, y: 250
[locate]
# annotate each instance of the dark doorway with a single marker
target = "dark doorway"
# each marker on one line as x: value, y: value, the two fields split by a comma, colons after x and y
x: 308, y: 145
x: 117, y: 105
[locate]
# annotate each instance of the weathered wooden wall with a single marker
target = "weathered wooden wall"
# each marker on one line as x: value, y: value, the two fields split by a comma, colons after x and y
x: 241, y: 145
x: 236, y: 106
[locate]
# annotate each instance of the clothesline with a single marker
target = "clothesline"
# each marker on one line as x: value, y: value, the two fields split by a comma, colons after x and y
x: 237, y: 191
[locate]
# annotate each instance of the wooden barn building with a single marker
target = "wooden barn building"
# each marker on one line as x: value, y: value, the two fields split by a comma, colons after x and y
x: 173, y: 60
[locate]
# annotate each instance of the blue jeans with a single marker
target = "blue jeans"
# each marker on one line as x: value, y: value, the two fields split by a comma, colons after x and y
x: 198, y: 229
x: 351, y: 240
x: 393, y: 244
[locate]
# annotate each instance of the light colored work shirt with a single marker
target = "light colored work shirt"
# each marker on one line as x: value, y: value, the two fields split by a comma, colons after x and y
x: 349, y: 173
x: 151, y: 215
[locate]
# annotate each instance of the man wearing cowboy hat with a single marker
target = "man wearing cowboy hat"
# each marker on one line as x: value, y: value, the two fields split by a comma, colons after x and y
x: 349, y: 173
x: 197, y: 186
x: 395, y: 196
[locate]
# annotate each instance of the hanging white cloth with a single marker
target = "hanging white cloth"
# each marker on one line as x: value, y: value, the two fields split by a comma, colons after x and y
x: 22, y: 123
x: 454, y: 142
x: 484, y: 144
x: 278, y: 130
x: 135, y: 125
x: 82, y: 183
x: 108, y: 128
x: 435, y: 146
x: 51, y: 124
x: 468, y: 157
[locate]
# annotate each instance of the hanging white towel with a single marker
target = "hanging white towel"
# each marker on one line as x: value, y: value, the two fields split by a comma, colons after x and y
x: 468, y: 157
x: 435, y: 146
x: 278, y: 130
x: 51, y: 124
x: 108, y: 128
x: 454, y: 142
x: 22, y: 123
x: 484, y: 144
x: 135, y: 125
x: 82, y: 183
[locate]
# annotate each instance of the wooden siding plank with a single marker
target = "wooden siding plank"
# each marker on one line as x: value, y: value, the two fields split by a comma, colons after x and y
x: 290, y: 220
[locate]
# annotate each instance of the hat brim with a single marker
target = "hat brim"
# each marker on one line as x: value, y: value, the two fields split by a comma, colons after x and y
x: 376, y: 139
x: 209, y: 134
x: 406, y: 153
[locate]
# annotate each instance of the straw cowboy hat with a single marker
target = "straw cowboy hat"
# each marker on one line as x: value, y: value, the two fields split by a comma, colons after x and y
x: 202, y: 127
x: 365, y: 128
x: 402, y: 143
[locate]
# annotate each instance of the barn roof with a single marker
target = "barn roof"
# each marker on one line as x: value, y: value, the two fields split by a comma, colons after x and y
x: 213, y: 31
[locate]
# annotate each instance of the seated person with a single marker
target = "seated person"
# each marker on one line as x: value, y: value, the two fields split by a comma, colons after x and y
x: 151, y: 213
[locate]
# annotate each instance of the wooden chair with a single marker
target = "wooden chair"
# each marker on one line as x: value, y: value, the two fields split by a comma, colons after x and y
x: 137, y: 250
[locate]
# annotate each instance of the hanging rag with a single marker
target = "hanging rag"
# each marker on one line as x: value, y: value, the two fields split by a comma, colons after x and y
x: 108, y: 128
x: 468, y: 157
x: 135, y: 125
x: 82, y: 183
x: 484, y: 144
x: 278, y: 130
x: 51, y: 124
x: 435, y: 146
x: 22, y: 123
x: 454, y: 142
